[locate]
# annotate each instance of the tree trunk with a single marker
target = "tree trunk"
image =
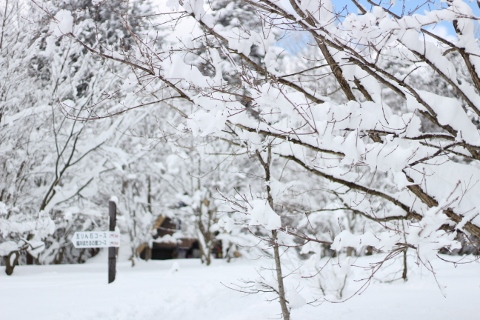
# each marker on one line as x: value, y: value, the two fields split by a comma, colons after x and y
x: 404, y: 274
x: 278, y: 268
x: 10, y: 265
x: 276, y: 252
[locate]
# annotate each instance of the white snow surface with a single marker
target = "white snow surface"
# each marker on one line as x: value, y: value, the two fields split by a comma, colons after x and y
x: 185, y: 289
x: 262, y: 214
x: 64, y: 23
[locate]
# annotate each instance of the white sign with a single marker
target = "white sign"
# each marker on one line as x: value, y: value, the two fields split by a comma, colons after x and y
x: 96, y: 239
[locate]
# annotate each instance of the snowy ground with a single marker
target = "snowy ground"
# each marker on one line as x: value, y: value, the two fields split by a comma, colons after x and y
x: 154, y: 290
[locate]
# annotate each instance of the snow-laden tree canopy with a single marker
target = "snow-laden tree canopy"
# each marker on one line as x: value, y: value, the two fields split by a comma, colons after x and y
x: 381, y: 112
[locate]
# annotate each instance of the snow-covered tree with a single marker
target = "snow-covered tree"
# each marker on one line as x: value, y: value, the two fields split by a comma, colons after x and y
x: 52, y: 157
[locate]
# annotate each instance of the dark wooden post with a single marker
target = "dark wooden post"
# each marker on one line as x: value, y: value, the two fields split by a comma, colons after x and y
x: 112, y: 211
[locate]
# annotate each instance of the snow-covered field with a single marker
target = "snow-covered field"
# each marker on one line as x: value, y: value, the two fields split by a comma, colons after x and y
x: 184, y: 289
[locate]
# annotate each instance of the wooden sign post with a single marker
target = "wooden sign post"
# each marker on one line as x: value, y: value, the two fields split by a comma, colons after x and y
x: 102, y: 239
x: 112, y: 261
